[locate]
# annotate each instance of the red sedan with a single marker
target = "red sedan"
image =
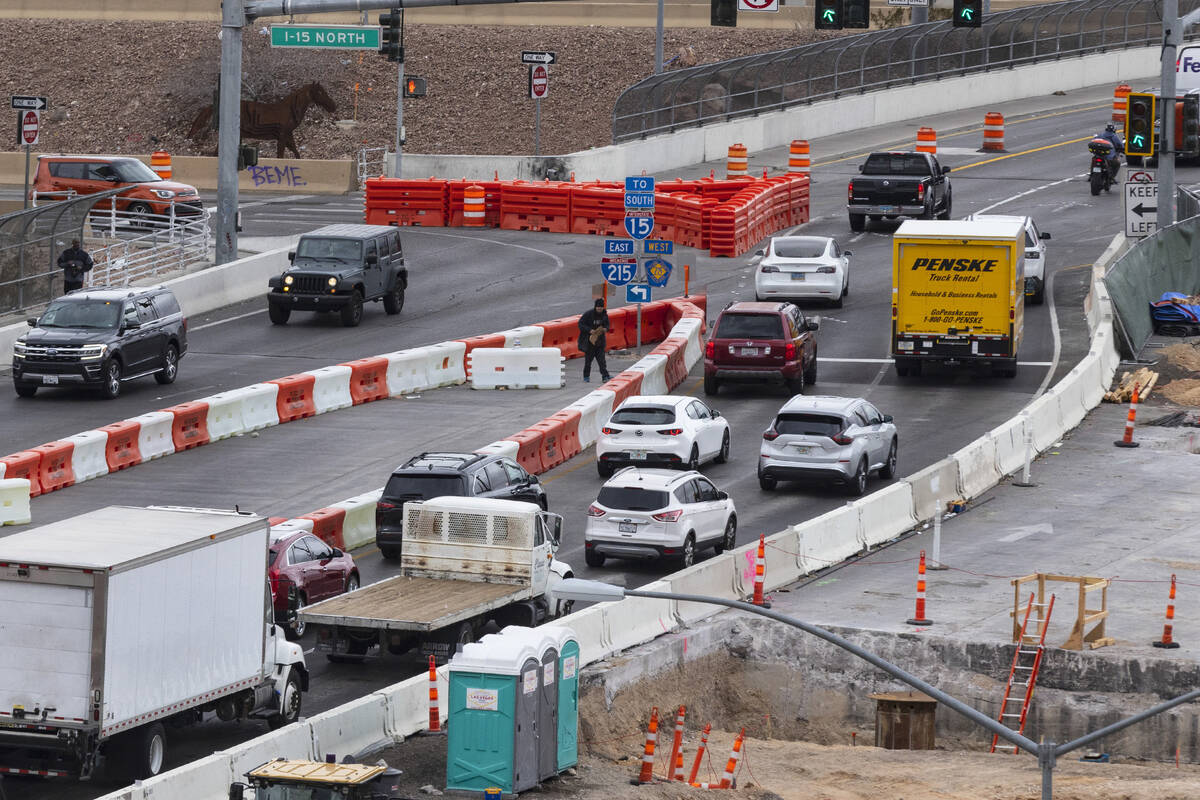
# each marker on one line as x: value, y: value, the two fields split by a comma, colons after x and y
x: 317, y: 570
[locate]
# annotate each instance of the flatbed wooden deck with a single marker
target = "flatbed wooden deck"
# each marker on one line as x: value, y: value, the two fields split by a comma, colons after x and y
x: 413, y: 604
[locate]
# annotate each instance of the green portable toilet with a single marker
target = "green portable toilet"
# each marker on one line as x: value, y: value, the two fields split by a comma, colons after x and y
x: 492, y: 716
x: 558, y: 650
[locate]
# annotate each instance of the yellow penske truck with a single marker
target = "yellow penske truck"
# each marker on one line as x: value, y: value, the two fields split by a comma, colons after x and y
x: 958, y: 294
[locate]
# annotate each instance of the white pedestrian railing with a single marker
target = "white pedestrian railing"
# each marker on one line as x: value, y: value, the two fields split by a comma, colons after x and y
x: 372, y: 163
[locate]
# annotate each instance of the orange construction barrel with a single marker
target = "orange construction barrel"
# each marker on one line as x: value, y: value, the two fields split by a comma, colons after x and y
x: 160, y: 162
x: 993, y: 131
x: 473, y: 206
x: 926, y: 140
x: 1120, y: 101
x: 738, y: 162
x: 798, y: 156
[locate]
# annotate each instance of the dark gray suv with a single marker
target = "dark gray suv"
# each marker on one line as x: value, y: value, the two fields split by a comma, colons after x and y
x: 449, y: 474
x: 338, y: 268
x: 100, y: 338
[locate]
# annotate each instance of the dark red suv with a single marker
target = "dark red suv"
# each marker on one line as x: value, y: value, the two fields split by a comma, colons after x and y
x: 761, y: 343
x: 317, y: 570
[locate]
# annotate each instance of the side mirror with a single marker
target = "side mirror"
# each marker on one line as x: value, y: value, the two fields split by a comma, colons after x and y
x: 887, y: 418
x: 554, y: 529
x: 760, y: 252
x: 534, y: 479
x: 291, y: 256
x: 32, y: 322
x: 812, y: 323
x: 945, y: 170
x: 847, y: 252
x: 722, y: 495
x: 237, y: 791
x: 715, y: 414
x: 861, y: 167
x: 372, y: 259
x: 130, y: 326
x: 337, y: 553
x: 1044, y: 235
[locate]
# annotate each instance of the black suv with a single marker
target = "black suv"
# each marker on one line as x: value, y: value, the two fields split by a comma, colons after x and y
x: 101, y: 337
x: 455, y: 474
x: 337, y: 268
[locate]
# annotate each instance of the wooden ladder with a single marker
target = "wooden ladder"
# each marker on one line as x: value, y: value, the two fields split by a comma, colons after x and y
x: 1026, y: 661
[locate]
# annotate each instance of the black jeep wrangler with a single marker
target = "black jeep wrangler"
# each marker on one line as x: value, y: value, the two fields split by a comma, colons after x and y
x: 337, y: 268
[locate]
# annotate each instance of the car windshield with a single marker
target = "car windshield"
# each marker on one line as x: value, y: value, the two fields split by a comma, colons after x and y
x: 645, y: 415
x: 621, y: 498
x: 130, y: 170
x: 799, y: 248
x: 808, y: 424
x: 100, y: 314
x: 896, y: 164
x: 749, y: 326
x: 422, y: 487
x: 318, y: 247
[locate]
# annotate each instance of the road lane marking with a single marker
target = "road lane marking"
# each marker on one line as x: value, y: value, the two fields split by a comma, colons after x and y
x: 889, y: 361
x: 223, y: 321
x: 1027, y: 530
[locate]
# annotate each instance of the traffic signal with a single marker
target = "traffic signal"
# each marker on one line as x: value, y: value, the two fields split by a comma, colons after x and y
x: 247, y: 156
x: 857, y: 14
x: 1139, y: 124
x: 968, y: 13
x: 414, y: 86
x: 723, y: 13
x: 392, y: 38
x: 828, y: 15
x: 1189, y: 144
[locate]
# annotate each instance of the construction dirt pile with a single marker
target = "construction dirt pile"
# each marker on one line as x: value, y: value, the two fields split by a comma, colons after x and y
x: 133, y: 87
x: 1179, y: 367
x: 772, y: 765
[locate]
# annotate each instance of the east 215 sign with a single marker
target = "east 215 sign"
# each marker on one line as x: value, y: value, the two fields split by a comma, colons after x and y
x: 618, y: 271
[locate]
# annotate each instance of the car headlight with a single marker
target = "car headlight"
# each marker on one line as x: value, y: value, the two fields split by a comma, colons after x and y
x: 332, y: 282
x: 90, y: 352
x: 288, y: 280
x: 18, y: 349
x: 164, y: 194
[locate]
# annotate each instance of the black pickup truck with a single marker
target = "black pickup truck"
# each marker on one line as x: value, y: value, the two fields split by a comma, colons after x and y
x: 898, y: 185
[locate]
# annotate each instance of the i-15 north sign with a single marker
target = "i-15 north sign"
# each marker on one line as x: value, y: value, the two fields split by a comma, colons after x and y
x: 343, y: 37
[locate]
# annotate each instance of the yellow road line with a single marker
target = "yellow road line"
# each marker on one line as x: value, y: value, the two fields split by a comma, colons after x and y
x: 1021, y: 153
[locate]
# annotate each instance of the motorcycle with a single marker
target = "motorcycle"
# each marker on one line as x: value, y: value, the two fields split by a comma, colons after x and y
x: 1102, y: 174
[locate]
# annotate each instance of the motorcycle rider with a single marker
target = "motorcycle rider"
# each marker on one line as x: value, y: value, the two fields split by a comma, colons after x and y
x: 1109, y: 134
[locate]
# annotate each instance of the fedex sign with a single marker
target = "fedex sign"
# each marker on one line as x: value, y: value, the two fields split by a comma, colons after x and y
x: 1187, y: 69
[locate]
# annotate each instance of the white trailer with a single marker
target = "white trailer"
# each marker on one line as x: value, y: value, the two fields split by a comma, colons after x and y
x: 465, y: 561
x: 120, y: 620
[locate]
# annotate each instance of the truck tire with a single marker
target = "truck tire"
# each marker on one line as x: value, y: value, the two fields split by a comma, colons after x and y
x: 810, y: 374
x: 1039, y: 296
x: 278, y: 314
x: 140, y: 753
x: 352, y: 312
x: 296, y: 632
x: 858, y: 222
x: 711, y: 386
x: 1005, y: 369
x: 928, y: 212
x: 592, y: 558
x: 946, y: 211
x: 289, y: 704
x: 393, y: 301
x: 390, y: 553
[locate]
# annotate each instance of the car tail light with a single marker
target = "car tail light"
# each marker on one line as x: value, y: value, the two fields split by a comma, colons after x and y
x: 826, y: 270
x: 669, y: 516
x: 842, y: 438
x: 595, y: 511
x: 770, y: 269
x: 609, y: 430
x: 894, y: 312
x: 789, y: 351
x: 383, y: 505
x: 670, y: 431
x: 1012, y: 314
x: 710, y: 349
x: 920, y: 191
x: 770, y: 434
x: 850, y: 191
x: 185, y: 324
x: 273, y: 575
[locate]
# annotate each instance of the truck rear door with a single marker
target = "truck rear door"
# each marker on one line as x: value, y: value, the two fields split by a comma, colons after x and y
x: 952, y: 286
x: 45, y: 662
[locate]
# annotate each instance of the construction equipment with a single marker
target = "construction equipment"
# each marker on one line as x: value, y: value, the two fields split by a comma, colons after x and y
x: 1027, y: 660
x: 286, y: 779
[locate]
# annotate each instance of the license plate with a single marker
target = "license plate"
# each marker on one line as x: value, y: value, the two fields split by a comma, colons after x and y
x: 797, y: 276
x: 749, y: 351
x: 50, y: 380
x: 637, y: 455
x: 802, y: 449
x: 887, y: 209
x: 1097, y: 169
x: 626, y: 527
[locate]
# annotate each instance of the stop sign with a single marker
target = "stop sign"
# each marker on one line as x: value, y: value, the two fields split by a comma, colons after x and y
x: 539, y: 81
x: 30, y: 123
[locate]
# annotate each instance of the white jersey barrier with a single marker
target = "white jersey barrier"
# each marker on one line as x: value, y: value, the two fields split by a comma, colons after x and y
x: 1009, y: 439
x: 828, y: 539
x: 594, y: 409
x: 202, y: 778
x: 445, y: 364
x: 714, y: 577
x: 933, y: 486
x: 977, y: 467
x: 352, y: 729
x: 89, y: 458
x: 225, y: 413
x: 783, y: 559
x: 516, y: 368
x: 885, y: 514
x: 654, y: 374
x: 14, y: 500
x: 408, y: 371
x: 291, y: 741
x: 689, y: 329
x: 358, y: 526
x: 331, y: 388
x: 407, y: 705
x: 504, y: 447
x: 258, y: 406
x: 643, y: 620
x: 154, y: 434
x: 524, y: 336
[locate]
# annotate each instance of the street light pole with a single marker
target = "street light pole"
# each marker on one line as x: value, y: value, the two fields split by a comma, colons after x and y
x: 229, y: 129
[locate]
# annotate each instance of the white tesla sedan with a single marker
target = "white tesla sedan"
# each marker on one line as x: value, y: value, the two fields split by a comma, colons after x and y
x: 802, y: 267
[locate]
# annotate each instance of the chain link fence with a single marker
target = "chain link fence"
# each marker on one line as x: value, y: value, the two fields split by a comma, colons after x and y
x: 881, y: 59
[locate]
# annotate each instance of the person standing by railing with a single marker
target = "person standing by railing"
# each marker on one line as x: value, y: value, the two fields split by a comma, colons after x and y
x: 75, y: 263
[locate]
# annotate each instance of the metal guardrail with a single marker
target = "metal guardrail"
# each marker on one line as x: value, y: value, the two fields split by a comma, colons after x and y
x: 371, y: 163
x: 1187, y: 203
x: 881, y: 59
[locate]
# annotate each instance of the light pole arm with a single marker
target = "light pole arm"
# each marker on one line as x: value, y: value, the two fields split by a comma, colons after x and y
x: 975, y: 716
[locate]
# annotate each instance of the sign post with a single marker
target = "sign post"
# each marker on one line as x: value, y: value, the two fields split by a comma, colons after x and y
x: 539, y: 87
x: 1141, y: 208
x: 639, y: 222
x: 29, y: 123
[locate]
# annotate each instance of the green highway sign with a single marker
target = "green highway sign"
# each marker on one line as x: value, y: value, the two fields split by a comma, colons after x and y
x: 343, y: 37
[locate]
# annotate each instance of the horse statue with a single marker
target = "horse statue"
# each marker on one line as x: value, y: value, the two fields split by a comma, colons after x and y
x: 273, y: 120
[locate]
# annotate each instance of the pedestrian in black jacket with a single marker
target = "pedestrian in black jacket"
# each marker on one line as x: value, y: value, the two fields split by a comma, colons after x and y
x: 75, y: 263
x: 593, y: 325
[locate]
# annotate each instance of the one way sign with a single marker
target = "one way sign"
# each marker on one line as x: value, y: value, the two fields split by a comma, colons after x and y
x: 1141, y: 209
x: 30, y: 102
x: 536, y: 57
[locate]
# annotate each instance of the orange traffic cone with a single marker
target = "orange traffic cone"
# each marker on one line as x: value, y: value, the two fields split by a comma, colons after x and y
x: 699, y: 755
x: 675, y: 762
x: 919, y: 617
x: 760, y: 572
x: 647, y: 773
x: 730, y: 766
x: 435, y: 713
x: 1127, y: 439
x: 1168, y: 642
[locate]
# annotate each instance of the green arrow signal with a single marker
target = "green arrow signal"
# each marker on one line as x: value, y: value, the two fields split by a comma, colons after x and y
x: 829, y: 14
x: 1138, y: 140
x: 967, y: 13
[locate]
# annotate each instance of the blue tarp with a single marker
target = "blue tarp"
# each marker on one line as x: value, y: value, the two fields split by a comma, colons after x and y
x: 1172, y: 317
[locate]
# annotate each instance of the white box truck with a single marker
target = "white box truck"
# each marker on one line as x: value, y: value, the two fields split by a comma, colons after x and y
x: 120, y: 620
x: 466, y: 561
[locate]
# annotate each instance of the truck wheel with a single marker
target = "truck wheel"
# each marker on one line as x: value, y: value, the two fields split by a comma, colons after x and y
x: 810, y: 374
x: 390, y: 553
x: 464, y: 634
x: 946, y: 211
x: 295, y: 631
x: 1038, y: 297
x: 795, y: 385
x: 143, y: 751
x: 278, y: 314
x: 352, y: 311
x: 25, y: 389
x: 858, y: 222
x: 687, y: 555
x: 170, y: 368
x: 393, y: 301
x: 927, y: 213
x: 711, y: 386
x: 857, y: 486
x: 289, y: 704
x: 593, y: 559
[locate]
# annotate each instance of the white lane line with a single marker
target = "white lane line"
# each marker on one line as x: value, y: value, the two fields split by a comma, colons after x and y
x: 889, y: 361
x: 326, y: 210
x: 223, y: 321
x: 558, y: 262
x: 1057, y: 339
x: 986, y: 209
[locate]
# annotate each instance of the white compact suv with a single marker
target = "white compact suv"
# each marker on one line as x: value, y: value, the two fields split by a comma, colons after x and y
x: 829, y: 439
x: 662, y: 431
x: 1035, y: 254
x: 658, y: 513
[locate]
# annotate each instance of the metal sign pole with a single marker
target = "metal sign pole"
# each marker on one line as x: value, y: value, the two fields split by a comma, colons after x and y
x: 1167, y: 144
x: 399, y: 101
x: 229, y: 129
x: 537, y: 127
x: 26, y: 165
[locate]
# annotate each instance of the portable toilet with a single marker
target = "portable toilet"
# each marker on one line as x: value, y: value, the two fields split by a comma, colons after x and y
x: 558, y: 651
x: 492, y: 721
